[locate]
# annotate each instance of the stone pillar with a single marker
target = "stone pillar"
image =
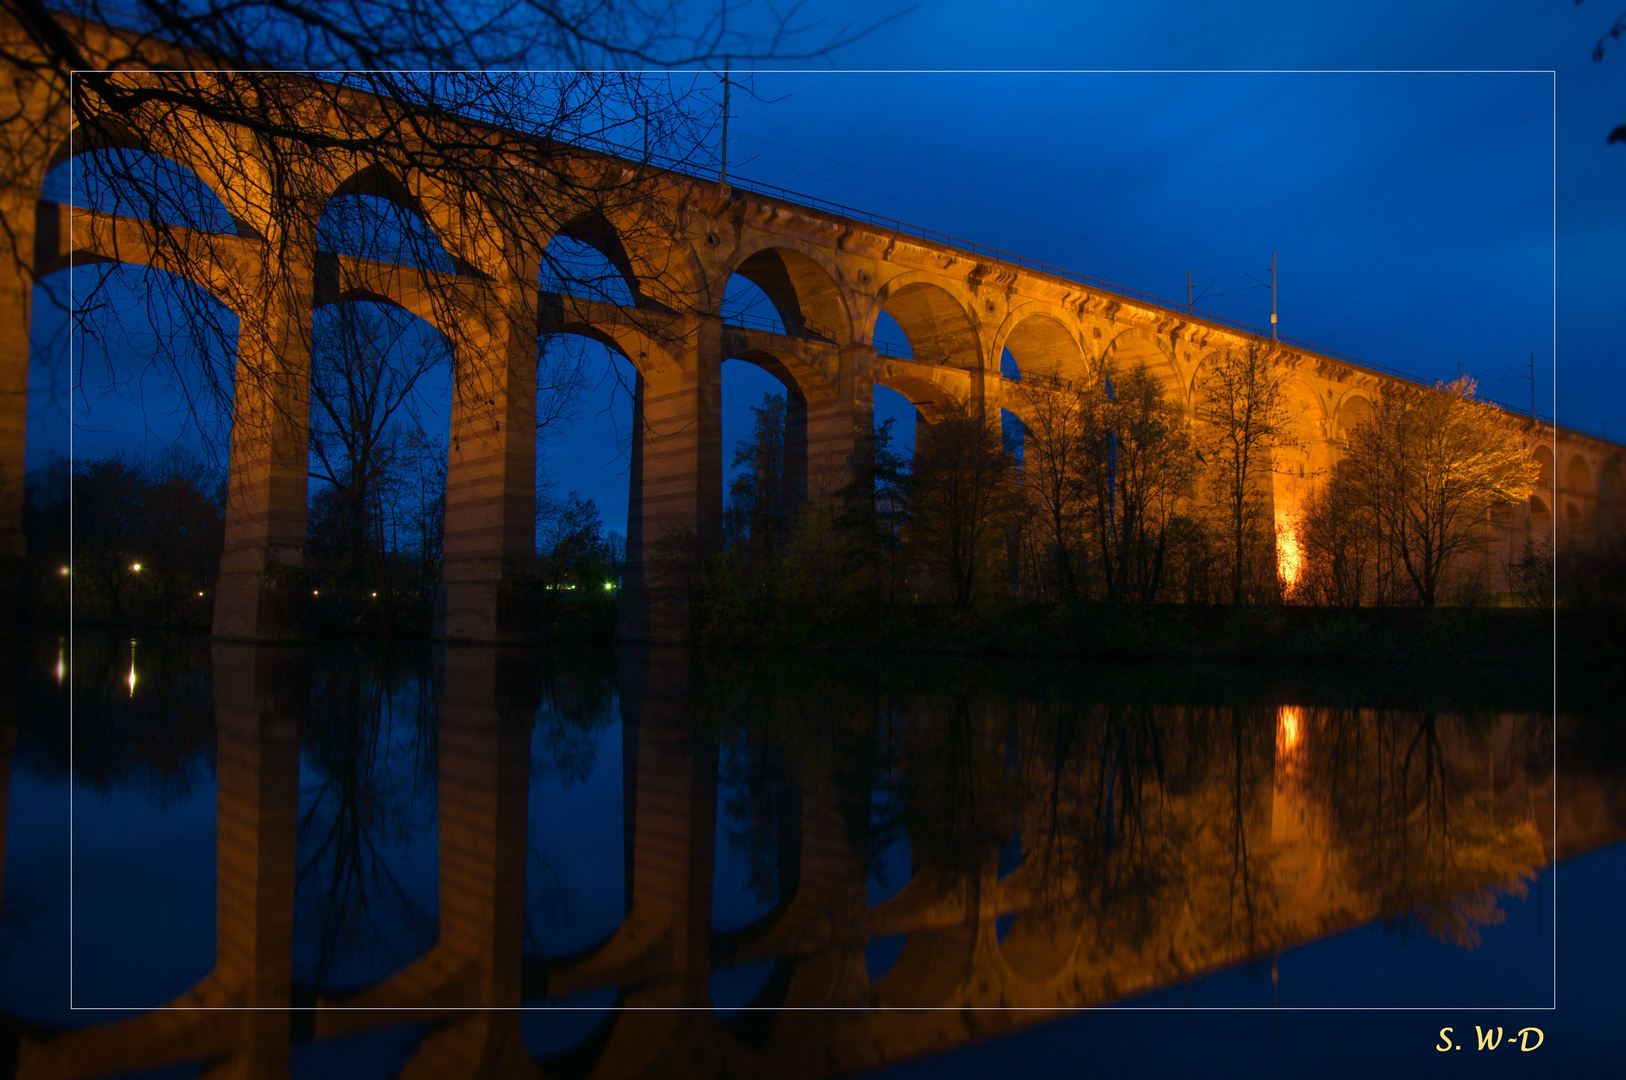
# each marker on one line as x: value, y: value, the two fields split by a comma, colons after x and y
x: 673, y: 824
x: 259, y: 701
x: 675, y: 504
x: 260, y: 592
x: 666, y: 940
x: 487, y: 707
x: 490, y: 537
x: 17, y: 213
x: 834, y: 428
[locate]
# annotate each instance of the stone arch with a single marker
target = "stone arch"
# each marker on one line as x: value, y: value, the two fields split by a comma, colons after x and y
x: 802, y: 381
x: 666, y: 263
x: 1041, y: 344
x: 928, y: 396
x: 1543, y: 457
x: 1305, y: 454
x: 595, y: 231
x: 801, y: 287
x: 1578, y: 477
x: 1541, y: 518
x: 1140, y: 346
x: 193, y: 264
x: 939, y: 327
x: 1579, y: 502
x: 402, y: 290
x: 464, y: 227
x: 1611, y: 485
x: 647, y: 355
x: 250, y: 217
x: 1354, y: 410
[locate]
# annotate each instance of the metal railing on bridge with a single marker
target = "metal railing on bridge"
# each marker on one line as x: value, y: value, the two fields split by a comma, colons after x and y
x: 971, y: 247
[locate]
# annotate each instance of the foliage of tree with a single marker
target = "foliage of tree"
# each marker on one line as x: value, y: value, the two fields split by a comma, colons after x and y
x: 963, y: 494
x: 1139, y: 464
x: 873, y: 507
x: 1054, y: 466
x: 147, y: 539
x: 1427, y: 470
x: 1338, y: 536
x: 758, y: 509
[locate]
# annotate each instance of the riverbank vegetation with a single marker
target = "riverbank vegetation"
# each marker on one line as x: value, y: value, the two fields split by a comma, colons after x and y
x: 1113, y: 522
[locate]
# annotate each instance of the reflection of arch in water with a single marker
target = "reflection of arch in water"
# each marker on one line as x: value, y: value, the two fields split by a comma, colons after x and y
x: 575, y: 860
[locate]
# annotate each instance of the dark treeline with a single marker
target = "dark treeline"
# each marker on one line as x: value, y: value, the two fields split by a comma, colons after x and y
x: 146, y: 539
x: 1112, y: 496
x: 1111, y: 505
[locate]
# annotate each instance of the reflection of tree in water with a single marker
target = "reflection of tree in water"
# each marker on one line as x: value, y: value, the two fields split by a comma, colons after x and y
x: 1235, y: 889
x: 1410, y: 817
x: 789, y: 727
x: 157, y: 737
x: 960, y: 796
x: 874, y: 767
x: 1139, y: 815
x: 577, y: 703
x: 370, y: 745
x: 762, y: 815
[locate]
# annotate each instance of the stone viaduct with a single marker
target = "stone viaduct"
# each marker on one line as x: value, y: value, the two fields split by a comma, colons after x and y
x: 676, y: 245
x: 981, y: 953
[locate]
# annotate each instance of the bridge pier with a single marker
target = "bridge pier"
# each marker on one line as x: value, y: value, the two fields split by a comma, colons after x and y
x: 17, y: 211
x: 260, y: 591
x: 490, y: 534
x: 675, y: 509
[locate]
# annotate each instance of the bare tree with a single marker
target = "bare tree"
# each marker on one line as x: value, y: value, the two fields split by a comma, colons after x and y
x: 1338, y: 536
x: 1430, y: 464
x: 1612, y: 34
x: 1138, y: 455
x: 1053, y: 419
x: 1242, y: 414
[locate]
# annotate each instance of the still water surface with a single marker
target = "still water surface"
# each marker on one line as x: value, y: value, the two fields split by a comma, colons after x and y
x: 764, y: 866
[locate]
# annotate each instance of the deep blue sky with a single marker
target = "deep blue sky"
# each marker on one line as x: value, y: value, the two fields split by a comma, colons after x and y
x: 1410, y: 200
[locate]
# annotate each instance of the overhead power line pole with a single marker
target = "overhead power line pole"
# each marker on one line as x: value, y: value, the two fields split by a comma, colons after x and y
x: 722, y: 165
x: 1273, y: 333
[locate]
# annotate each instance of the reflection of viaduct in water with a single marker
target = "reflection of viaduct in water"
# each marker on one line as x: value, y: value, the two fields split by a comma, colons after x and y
x: 973, y: 940
x: 829, y: 277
